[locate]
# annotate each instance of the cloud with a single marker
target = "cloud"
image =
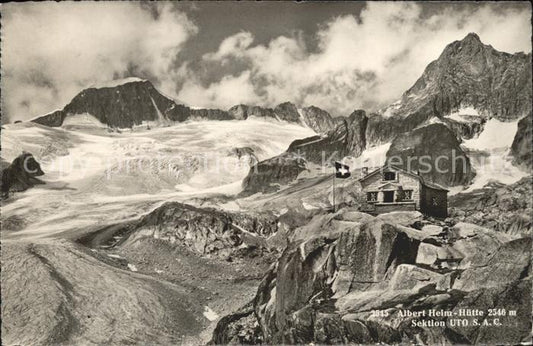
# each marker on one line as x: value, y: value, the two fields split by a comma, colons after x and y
x: 50, y: 51
x: 361, y: 62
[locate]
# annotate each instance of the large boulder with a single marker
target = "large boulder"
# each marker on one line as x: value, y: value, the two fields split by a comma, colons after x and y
x: 205, y: 231
x: 435, y: 153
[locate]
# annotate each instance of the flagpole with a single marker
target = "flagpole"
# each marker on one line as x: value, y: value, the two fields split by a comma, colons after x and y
x: 334, y: 174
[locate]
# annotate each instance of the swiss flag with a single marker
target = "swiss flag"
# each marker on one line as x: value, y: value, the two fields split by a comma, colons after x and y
x: 341, y: 171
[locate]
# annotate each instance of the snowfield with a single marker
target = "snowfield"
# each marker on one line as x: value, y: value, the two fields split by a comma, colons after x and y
x: 490, y: 155
x: 95, y: 178
x: 463, y: 111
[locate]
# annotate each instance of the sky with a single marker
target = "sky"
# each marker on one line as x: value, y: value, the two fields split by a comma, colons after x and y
x: 339, y: 56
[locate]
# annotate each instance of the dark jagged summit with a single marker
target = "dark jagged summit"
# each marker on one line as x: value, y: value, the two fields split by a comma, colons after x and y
x: 122, y: 105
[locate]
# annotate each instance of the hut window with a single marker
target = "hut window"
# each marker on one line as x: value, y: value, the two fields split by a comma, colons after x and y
x: 372, y: 196
x: 407, y: 195
x: 389, y: 176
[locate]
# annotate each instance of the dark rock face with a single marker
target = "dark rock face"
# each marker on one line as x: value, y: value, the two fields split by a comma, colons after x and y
x: 54, y: 119
x: 287, y: 111
x: 239, y: 328
x: 211, y: 114
x: 323, y: 288
x: 239, y: 112
x: 503, y: 208
x: 471, y: 73
x: 268, y: 175
x: 434, y: 151
x: 205, y: 231
x: 129, y: 104
x: 124, y: 105
x: 521, y: 148
x: 21, y: 174
x: 318, y: 119
x: 347, y: 139
x: 466, y: 129
x: 383, y: 129
x: 244, y: 112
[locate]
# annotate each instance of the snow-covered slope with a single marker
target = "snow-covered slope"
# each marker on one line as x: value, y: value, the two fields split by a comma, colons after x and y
x: 96, y: 177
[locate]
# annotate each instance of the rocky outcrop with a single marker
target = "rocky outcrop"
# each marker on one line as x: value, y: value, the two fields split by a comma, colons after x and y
x: 503, y: 208
x: 21, y: 174
x: 270, y: 174
x: 467, y: 129
x: 210, y: 114
x: 318, y: 119
x: 54, y: 119
x: 521, y: 148
x: 315, y: 118
x: 239, y: 112
x: 238, y: 328
x: 347, y: 139
x: 324, y: 288
x: 435, y: 153
x: 287, y: 111
x: 205, y: 231
x: 243, y: 112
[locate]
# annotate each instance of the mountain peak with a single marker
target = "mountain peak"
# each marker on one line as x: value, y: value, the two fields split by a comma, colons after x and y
x: 471, y: 37
x: 118, y: 82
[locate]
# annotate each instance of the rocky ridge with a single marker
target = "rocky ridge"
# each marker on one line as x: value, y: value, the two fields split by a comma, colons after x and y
x: 137, y: 101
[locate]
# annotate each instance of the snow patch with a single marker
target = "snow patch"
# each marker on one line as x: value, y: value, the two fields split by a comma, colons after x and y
x: 210, y: 314
x: 391, y: 110
x: 496, y: 134
x: 308, y: 206
x: 490, y: 155
x: 117, y: 82
x: 84, y: 119
x: 458, y: 115
x: 371, y: 157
